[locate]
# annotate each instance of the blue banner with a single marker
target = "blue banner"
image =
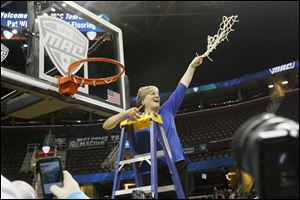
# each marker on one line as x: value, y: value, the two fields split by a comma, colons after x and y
x: 236, y: 81
x: 211, y: 164
x: 17, y: 20
x: 128, y: 175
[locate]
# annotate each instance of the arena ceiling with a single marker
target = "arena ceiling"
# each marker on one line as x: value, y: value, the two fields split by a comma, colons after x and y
x: 162, y: 37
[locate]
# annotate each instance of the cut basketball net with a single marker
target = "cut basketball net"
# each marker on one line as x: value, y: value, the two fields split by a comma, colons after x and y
x: 68, y: 85
x: 222, y: 34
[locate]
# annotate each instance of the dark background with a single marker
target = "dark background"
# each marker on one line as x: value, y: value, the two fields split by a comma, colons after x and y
x: 161, y: 38
x: 267, y: 35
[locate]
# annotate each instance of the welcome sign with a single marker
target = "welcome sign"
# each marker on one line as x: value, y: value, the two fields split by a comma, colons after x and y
x: 17, y: 20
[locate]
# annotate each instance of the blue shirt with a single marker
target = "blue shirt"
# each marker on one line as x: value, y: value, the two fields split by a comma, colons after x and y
x: 77, y: 195
x: 141, y: 140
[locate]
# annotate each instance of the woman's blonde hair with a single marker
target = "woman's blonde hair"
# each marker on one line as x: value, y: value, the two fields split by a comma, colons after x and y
x: 143, y: 92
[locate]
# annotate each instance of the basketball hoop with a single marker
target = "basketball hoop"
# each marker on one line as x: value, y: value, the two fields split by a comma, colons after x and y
x: 68, y: 85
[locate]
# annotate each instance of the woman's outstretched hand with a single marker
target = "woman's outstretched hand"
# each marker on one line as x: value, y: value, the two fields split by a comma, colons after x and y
x: 196, y: 61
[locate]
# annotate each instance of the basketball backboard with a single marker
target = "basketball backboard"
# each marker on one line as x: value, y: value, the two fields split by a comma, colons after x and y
x: 66, y: 33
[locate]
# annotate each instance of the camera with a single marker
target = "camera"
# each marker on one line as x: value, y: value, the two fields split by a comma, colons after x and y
x: 267, y: 147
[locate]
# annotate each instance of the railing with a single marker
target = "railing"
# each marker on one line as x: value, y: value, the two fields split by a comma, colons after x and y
x: 109, y: 159
x: 274, y: 105
x: 233, y: 107
x: 32, y: 146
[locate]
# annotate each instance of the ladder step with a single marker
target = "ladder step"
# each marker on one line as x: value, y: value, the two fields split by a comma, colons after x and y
x: 141, y: 157
x: 146, y: 189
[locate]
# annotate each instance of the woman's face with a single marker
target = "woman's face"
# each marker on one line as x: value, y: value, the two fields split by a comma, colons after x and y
x: 152, y: 101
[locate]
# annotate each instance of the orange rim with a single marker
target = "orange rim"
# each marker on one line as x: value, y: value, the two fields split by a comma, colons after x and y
x: 95, y: 81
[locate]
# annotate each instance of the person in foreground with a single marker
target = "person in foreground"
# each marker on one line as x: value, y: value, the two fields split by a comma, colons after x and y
x: 148, y: 101
x: 22, y: 190
x: 70, y: 190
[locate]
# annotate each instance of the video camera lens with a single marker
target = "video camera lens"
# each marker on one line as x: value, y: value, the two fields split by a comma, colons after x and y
x: 267, y: 147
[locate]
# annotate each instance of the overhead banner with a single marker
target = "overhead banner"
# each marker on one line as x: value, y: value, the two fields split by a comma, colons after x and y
x: 236, y: 81
x: 77, y: 143
x: 17, y: 20
x: 282, y: 68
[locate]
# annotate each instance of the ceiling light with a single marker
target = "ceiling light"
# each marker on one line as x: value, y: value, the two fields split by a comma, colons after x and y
x: 91, y: 35
x: 46, y: 149
x: 7, y: 34
x: 270, y: 86
x: 284, y: 82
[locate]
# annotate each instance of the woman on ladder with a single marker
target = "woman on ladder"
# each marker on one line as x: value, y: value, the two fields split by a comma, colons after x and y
x: 148, y: 101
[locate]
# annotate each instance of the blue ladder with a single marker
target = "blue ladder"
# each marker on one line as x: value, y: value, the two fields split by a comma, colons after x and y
x: 157, y: 133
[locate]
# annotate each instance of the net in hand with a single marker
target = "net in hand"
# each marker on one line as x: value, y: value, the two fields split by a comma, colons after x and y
x: 222, y: 34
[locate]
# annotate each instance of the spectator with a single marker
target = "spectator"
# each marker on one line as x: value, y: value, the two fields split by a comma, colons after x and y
x: 16, y: 190
x: 22, y: 190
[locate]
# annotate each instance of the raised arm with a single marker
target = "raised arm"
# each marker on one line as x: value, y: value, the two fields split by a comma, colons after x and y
x: 188, y: 75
